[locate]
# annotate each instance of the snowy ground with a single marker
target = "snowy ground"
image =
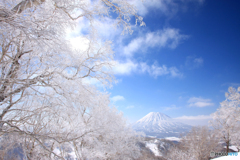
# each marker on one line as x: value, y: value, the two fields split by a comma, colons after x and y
x: 232, y: 148
x: 173, y: 139
x: 157, y: 146
x: 153, y: 147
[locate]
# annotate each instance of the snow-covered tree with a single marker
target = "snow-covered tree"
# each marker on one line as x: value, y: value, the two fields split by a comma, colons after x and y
x: 44, y: 101
x: 176, y: 153
x: 226, y: 120
x: 197, y: 145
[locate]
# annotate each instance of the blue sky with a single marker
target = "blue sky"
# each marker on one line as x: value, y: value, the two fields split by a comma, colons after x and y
x: 181, y: 63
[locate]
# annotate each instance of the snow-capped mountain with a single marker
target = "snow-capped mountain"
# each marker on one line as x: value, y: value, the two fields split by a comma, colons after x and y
x: 160, y: 125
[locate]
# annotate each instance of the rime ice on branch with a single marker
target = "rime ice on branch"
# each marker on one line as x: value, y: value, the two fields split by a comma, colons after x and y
x: 45, y: 108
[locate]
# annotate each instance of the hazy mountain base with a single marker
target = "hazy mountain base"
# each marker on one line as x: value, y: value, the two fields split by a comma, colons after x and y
x: 163, y: 135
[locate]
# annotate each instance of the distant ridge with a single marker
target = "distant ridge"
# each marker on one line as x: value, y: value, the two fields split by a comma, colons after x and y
x: 160, y: 125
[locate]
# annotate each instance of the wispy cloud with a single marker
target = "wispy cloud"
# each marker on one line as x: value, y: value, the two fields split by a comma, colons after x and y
x: 228, y: 84
x: 129, y: 67
x: 130, y: 107
x: 168, y: 37
x: 155, y: 70
x: 192, y: 62
x: 195, y: 120
x: 125, y: 68
x: 92, y: 81
x: 172, y: 107
x: 117, y: 98
x: 166, y: 7
x: 199, y: 117
x: 198, y: 61
x: 107, y: 28
x: 199, y: 102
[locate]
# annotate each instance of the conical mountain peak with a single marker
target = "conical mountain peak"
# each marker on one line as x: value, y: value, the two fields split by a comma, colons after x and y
x: 155, y: 117
x: 160, y: 125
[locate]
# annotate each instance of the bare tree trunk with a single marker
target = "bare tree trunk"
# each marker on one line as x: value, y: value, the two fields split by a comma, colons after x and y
x: 228, y: 146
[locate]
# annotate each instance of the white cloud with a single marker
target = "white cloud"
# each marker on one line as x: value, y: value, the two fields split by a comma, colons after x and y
x: 163, y: 5
x: 175, y: 72
x: 195, y: 120
x: 155, y: 70
x: 92, y: 81
x: 125, y: 68
x: 79, y: 43
x: 79, y: 30
x: 168, y: 37
x: 198, y: 61
x: 104, y: 28
x: 236, y: 85
x: 193, y: 62
x: 172, y: 107
x: 130, y: 107
x: 133, y: 46
x: 129, y: 67
x: 199, y: 102
x: 117, y: 98
x: 199, y: 117
x: 107, y: 28
x: 167, y: 7
x: 95, y: 82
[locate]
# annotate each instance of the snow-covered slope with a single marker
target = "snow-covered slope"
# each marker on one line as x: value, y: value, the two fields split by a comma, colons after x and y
x: 153, y: 148
x: 160, y: 125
